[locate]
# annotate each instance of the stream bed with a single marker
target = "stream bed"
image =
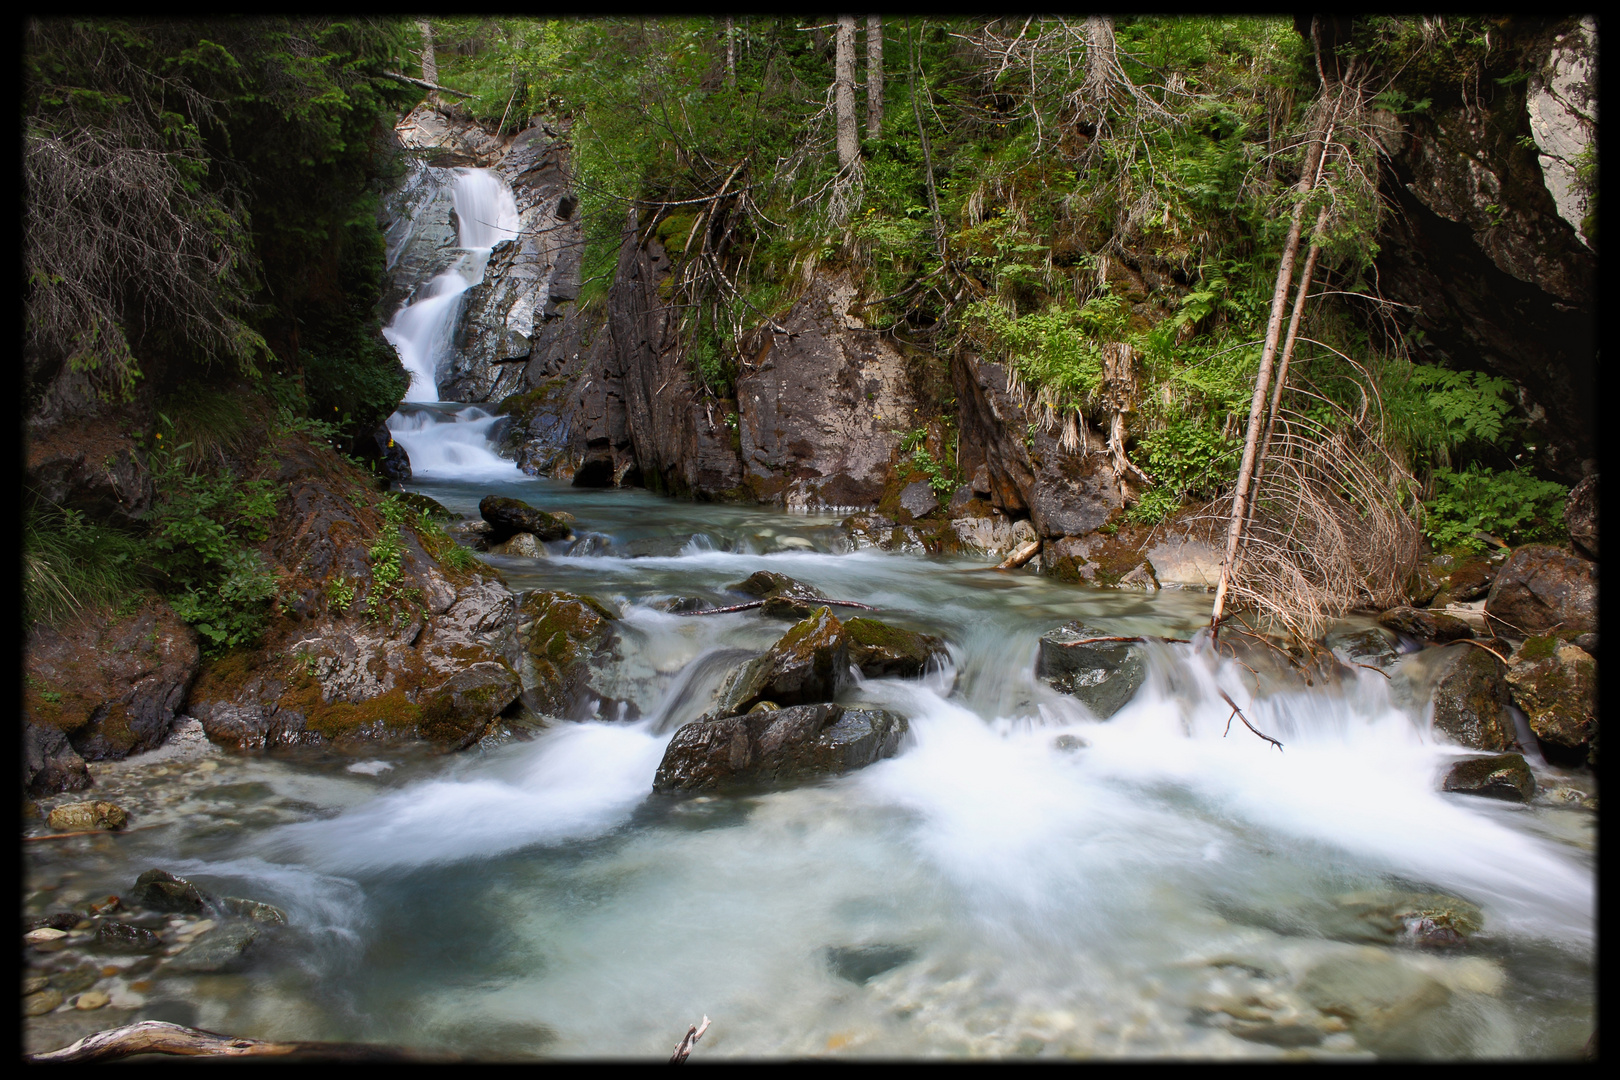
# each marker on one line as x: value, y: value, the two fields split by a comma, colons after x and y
x: 1019, y: 880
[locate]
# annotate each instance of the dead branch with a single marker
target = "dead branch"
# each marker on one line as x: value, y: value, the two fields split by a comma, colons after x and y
x: 1140, y: 638
x: 1237, y: 712
x: 1021, y: 556
x: 1479, y: 645
x: 761, y: 603
x: 157, y: 1037
x: 424, y: 84
x: 693, y: 1034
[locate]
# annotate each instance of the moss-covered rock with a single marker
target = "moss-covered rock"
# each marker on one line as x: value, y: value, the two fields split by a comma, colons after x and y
x: 1555, y: 683
x: 1099, y: 560
x: 508, y: 516
x: 458, y: 711
x: 1501, y: 776
x: 1103, y: 674
x: 878, y: 649
x: 809, y: 663
x: 561, y: 634
x: 1471, y: 702
x: 778, y: 745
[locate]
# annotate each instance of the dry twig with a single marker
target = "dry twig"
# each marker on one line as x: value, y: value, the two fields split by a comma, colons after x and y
x: 693, y: 1034
x: 1237, y: 712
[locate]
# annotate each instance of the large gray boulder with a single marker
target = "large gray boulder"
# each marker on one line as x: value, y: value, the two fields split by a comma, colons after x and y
x: 1104, y: 675
x: 1543, y: 588
x: 794, y: 744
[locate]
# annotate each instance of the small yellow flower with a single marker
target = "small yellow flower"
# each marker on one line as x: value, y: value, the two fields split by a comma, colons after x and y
x: 158, y: 434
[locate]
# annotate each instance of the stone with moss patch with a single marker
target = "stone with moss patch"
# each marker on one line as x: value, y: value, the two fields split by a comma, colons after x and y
x: 879, y: 649
x: 809, y: 663
x: 1555, y: 683
x: 777, y: 745
x: 1501, y: 776
x: 457, y: 712
x: 508, y: 516
x: 1471, y: 702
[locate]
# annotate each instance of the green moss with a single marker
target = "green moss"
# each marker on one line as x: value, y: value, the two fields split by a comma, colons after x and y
x: 1538, y: 648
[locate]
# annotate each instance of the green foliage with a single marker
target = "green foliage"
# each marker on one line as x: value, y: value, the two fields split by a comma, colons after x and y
x: 940, y: 476
x: 339, y: 595
x: 71, y: 564
x: 1186, y: 460
x: 1057, y: 349
x: 1512, y: 506
x: 232, y: 609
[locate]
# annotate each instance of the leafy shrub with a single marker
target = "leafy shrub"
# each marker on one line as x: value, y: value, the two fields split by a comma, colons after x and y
x: 1187, y: 459
x: 232, y: 610
x: 1513, y: 506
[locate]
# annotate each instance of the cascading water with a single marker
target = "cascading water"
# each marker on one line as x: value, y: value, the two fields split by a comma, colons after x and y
x: 1022, y: 879
x: 446, y: 440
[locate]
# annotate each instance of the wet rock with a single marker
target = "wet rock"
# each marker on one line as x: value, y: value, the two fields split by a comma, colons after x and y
x: 124, y: 937
x: 1428, y: 577
x: 221, y: 949
x: 862, y: 963
x: 1581, y: 516
x: 458, y: 711
x: 508, y: 516
x: 1098, y: 560
x: 1471, y: 702
x: 33, y: 984
x: 1388, y: 1004
x: 562, y: 635
x: 112, y: 686
x: 1469, y: 579
x: 1069, y: 743
x: 1288, y: 1035
x: 1503, y: 776
x: 790, y: 744
x: 523, y: 545
x: 389, y: 457
x: 764, y: 584
x: 91, y: 999
x: 1425, y: 625
x: 44, y: 934
x: 677, y: 604
x: 253, y: 909
x: 1555, y: 683
x: 50, y: 764
x: 880, y: 650
x: 57, y: 920
x: 1373, y: 646
x: 1543, y: 588
x: 886, y: 534
x: 918, y: 499
x: 78, y: 817
x: 1104, y: 675
x: 162, y: 891
x: 40, y: 1003
x: 993, y: 535
x: 809, y: 663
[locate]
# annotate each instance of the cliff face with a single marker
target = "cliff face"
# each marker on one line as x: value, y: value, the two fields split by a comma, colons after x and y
x: 1485, y: 248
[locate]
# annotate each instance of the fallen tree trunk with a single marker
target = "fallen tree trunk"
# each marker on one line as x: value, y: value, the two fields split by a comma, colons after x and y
x: 1021, y: 556
x: 157, y: 1037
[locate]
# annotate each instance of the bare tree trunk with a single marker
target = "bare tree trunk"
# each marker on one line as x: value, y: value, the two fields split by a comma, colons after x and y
x: 844, y: 93
x: 430, y: 64
x: 731, y: 52
x: 874, y: 76
x: 1102, y: 57
x: 1262, y: 382
x: 928, y: 158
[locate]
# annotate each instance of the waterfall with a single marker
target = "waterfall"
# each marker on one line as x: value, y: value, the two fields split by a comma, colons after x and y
x: 452, y: 442
x: 486, y: 214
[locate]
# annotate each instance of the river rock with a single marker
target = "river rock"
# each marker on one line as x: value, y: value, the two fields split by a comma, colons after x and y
x: 1503, y: 776
x: 253, y: 909
x: 1555, y: 683
x: 1581, y: 516
x: 769, y: 585
x: 91, y: 999
x: 38, y: 1004
x: 1469, y: 579
x: 162, y: 891
x: 1543, y: 588
x: 43, y: 934
x: 561, y: 634
x: 1387, y: 1003
x: 508, y: 516
x: 791, y: 744
x: 1374, y: 646
x: 1098, y: 560
x: 76, y: 817
x: 112, y: 685
x: 523, y: 545
x: 457, y: 712
x: 1471, y: 702
x: 221, y: 949
x: 993, y: 534
x: 124, y: 937
x: 861, y: 964
x: 50, y: 764
x: 918, y: 499
x: 1104, y: 675
x: 880, y: 650
x: 884, y: 533
x: 1425, y: 625
x: 809, y: 663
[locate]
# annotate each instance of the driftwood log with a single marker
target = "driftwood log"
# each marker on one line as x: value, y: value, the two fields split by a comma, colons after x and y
x: 761, y: 603
x: 693, y: 1034
x: 1021, y: 556
x: 157, y: 1037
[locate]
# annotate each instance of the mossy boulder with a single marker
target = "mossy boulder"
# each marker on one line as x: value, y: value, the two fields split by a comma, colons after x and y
x: 1112, y: 562
x: 1471, y: 702
x: 160, y: 890
x: 1425, y: 625
x: 1103, y: 674
x: 561, y: 634
x: 1555, y: 683
x: 1501, y: 776
x: 457, y: 712
x: 798, y: 743
x: 433, y: 508
x: 78, y: 817
x: 764, y: 584
x: 879, y: 649
x: 508, y: 516
x: 809, y: 663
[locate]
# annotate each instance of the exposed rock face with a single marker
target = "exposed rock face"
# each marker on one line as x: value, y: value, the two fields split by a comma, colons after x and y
x: 1555, y: 683
x: 354, y: 654
x: 419, y: 233
x: 638, y: 414
x: 1104, y: 675
x: 793, y: 744
x: 112, y: 687
x: 50, y: 764
x: 1471, y: 702
x: 1504, y: 776
x: 1562, y: 101
x: 1581, y: 516
x: 1497, y: 277
x: 1543, y: 588
x: 90, y: 467
x: 1062, y: 493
